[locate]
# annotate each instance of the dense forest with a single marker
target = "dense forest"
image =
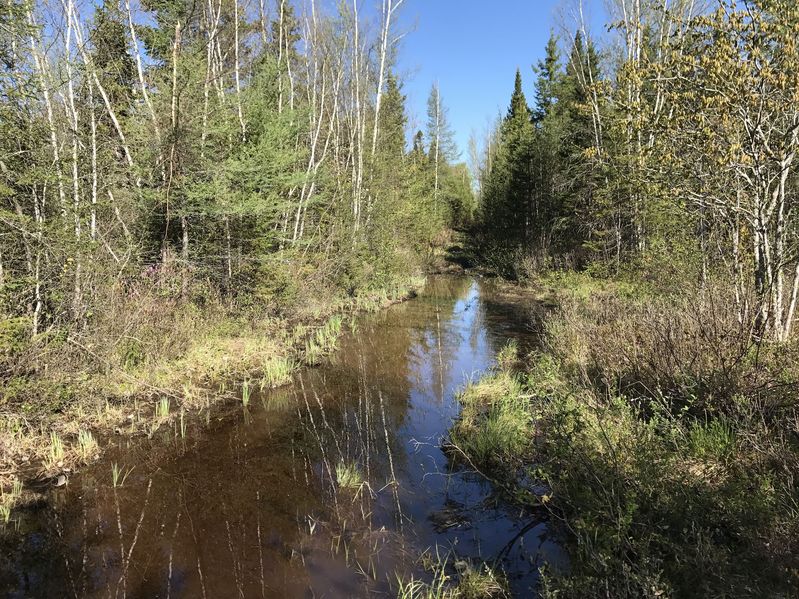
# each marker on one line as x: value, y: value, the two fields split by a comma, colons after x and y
x: 648, y: 189
x: 675, y: 154
x: 175, y: 174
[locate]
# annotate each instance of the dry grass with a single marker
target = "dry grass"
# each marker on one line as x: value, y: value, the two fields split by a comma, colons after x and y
x: 151, y: 343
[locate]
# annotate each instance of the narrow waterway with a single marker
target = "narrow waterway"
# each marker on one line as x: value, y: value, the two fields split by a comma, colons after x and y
x: 255, y: 501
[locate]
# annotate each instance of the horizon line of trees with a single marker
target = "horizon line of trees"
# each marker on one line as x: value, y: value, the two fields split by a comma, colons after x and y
x: 673, y: 152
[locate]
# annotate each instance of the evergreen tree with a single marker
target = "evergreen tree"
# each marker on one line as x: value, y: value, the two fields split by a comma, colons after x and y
x: 546, y: 85
x: 507, y: 200
x: 392, y: 119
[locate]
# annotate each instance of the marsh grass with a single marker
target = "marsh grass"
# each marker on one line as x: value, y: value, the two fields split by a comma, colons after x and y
x: 119, y: 475
x: 667, y: 443
x: 495, y: 424
x: 162, y: 409
x: 508, y: 356
x: 87, y: 446
x: 245, y: 392
x: 348, y: 476
x: 8, y: 499
x: 165, y: 345
x: 324, y: 340
x: 277, y: 371
x: 466, y: 581
x: 56, y: 453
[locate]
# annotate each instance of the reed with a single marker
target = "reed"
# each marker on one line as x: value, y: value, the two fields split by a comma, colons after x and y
x: 119, y: 475
x: 56, y: 452
x: 162, y: 408
x: 87, y: 445
x: 277, y: 372
x: 245, y: 392
x: 8, y: 499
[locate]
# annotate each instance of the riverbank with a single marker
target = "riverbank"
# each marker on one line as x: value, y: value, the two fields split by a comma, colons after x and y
x: 335, y: 483
x: 152, y: 360
x: 662, y: 439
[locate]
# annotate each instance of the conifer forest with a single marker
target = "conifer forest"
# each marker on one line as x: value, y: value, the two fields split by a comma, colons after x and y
x: 270, y: 328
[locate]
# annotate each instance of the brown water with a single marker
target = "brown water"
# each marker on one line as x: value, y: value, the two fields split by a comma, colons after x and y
x: 247, y: 504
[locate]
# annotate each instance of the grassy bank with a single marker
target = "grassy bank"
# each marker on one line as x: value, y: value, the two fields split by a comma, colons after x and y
x: 667, y: 438
x: 155, y: 354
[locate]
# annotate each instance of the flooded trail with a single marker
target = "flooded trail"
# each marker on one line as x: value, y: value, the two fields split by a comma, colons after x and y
x: 330, y: 487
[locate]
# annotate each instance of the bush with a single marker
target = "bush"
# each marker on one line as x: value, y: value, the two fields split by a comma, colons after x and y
x: 668, y: 441
x: 686, y: 351
x: 670, y: 447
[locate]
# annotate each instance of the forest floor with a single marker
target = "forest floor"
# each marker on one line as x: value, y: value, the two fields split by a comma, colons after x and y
x: 667, y: 439
x: 148, y: 362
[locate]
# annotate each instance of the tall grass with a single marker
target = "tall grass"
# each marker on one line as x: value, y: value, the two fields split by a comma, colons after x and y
x: 666, y: 436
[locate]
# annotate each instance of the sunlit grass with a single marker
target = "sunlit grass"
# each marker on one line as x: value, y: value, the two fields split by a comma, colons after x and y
x: 348, y: 476
x: 277, y: 371
x: 508, y: 356
x: 495, y: 423
x: 56, y: 452
x: 481, y: 582
x: 9, y: 499
x: 162, y: 408
x: 245, y: 392
x: 87, y: 445
x: 119, y: 475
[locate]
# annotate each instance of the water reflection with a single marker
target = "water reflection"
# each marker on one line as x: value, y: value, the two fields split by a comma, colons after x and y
x: 329, y: 487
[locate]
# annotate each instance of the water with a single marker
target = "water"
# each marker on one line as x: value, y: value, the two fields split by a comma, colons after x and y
x: 248, y: 504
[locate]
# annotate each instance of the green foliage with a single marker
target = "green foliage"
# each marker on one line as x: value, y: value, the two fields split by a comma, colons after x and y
x: 667, y: 485
x: 14, y: 336
x: 493, y: 429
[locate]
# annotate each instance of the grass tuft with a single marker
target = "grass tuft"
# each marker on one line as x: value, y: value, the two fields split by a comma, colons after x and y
x: 87, y: 445
x: 348, y: 476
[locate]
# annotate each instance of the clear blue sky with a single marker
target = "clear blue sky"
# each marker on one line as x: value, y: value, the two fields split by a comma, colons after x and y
x: 472, y: 48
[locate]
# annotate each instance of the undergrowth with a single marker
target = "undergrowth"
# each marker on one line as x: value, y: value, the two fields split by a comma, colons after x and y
x: 156, y: 351
x: 667, y: 438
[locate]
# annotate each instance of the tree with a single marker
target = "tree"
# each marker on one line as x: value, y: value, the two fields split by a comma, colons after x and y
x: 442, y: 140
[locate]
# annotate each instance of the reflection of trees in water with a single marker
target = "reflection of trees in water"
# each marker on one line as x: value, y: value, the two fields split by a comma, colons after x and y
x: 254, y: 503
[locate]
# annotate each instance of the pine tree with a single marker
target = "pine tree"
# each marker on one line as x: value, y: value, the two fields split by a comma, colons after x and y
x: 549, y: 73
x: 393, y: 120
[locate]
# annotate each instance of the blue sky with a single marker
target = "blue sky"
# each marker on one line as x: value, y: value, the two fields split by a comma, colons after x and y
x: 472, y: 48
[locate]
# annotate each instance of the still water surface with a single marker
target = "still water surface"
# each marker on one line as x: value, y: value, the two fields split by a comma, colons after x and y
x: 248, y: 503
